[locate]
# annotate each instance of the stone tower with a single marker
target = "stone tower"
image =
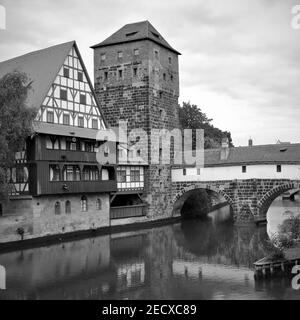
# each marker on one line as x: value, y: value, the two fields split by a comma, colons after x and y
x: 137, y: 80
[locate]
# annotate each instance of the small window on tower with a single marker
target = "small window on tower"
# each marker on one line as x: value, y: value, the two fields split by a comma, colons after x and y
x: 120, y: 74
x: 80, y: 76
x: 63, y: 94
x: 172, y: 78
x: 103, y: 56
x: 120, y: 54
x: 66, y: 73
x: 184, y: 172
x: 105, y: 75
x: 136, y: 52
x: 278, y: 168
x: 134, y: 72
x: 164, y: 75
x: 82, y: 99
x: 244, y: 169
x: 170, y: 60
x: 156, y: 54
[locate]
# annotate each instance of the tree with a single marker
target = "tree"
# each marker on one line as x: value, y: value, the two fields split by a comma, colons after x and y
x: 15, y: 121
x: 191, y: 117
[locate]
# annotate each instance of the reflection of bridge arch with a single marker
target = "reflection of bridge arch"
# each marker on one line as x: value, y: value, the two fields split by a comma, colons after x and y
x: 180, y: 198
x: 265, y: 202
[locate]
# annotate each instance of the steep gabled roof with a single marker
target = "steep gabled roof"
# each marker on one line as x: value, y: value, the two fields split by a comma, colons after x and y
x: 41, y: 66
x: 133, y: 32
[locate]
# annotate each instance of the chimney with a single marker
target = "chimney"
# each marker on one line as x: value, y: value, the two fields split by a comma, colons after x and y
x: 250, y: 142
x: 224, y: 149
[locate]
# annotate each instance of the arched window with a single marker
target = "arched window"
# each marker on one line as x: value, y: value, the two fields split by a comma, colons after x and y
x: 84, y: 204
x: 57, y: 207
x: 98, y: 204
x: 68, y: 207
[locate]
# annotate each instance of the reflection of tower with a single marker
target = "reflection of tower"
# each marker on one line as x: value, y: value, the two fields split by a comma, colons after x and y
x: 159, y: 262
x: 137, y: 80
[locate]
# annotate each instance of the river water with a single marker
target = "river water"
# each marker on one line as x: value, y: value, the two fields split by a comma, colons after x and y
x: 192, y: 259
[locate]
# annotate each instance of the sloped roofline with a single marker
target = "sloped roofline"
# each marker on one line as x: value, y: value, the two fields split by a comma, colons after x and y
x: 105, y: 44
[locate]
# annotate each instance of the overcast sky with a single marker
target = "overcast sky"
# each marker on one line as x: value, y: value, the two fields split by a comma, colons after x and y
x: 240, y: 59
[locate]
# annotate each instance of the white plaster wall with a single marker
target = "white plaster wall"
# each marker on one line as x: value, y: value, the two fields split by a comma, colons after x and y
x: 263, y: 171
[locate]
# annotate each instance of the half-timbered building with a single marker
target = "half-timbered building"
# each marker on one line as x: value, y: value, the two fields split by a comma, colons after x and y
x: 57, y: 185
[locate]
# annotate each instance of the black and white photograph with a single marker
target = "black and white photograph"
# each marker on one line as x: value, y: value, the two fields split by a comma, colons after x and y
x: 149, y: 151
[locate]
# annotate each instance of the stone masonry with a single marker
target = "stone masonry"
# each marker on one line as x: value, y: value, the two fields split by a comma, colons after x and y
x: 249, y: 199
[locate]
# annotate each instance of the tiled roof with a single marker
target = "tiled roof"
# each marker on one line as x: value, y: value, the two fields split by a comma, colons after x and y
x: 41, y: 67
x: 69, y: 131
x: 134, y: 32
x: 261, y: 154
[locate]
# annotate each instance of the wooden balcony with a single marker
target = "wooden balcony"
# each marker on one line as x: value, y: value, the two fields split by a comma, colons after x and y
x: 128, y: 211
x: 65, y: 187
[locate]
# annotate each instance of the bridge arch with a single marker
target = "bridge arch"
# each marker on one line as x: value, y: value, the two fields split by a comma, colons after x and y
x: 265, y: 202
x: 184, y: 193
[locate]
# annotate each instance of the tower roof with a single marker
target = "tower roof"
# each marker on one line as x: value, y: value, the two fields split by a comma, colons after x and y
x: 134, y: 32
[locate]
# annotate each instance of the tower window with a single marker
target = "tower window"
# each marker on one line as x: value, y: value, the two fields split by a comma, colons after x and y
x: 82, y: 99
x: 50, y: 116
x: 184, y: 172
x: 105, y: 75
x: 170, y: 60
x: 134, y: 72
x: 156, y: 54
x: 172, y: 77
x: 80, y: 76
x: 136, y: 52
x: 66, y: 73
x: 103, y: 56
x: 198, y: 171
x: 120, y: 54
x: 120, y: 74
x: 244, y: 169
x: 164, y: 76
x: 66, y: 119
x: 278, y: 168
x: 63, y: 94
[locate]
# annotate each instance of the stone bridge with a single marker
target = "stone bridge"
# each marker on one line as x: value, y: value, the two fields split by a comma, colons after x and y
x: 249, y: 199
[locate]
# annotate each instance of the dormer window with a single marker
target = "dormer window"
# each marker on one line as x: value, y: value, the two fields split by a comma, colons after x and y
x: 155, y: 34
x: 131, y: 34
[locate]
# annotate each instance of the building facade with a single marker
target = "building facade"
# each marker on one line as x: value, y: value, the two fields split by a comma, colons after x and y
x: 57, y: 185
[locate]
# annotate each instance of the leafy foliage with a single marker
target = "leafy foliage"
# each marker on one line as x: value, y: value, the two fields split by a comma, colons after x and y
x: 15, y: 120
x: 191, y: 117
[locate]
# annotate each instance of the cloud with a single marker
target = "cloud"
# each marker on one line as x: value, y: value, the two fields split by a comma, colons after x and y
x: 240, y: 60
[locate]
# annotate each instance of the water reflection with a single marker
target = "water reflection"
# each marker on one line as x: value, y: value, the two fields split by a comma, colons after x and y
x: 188, y: 260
